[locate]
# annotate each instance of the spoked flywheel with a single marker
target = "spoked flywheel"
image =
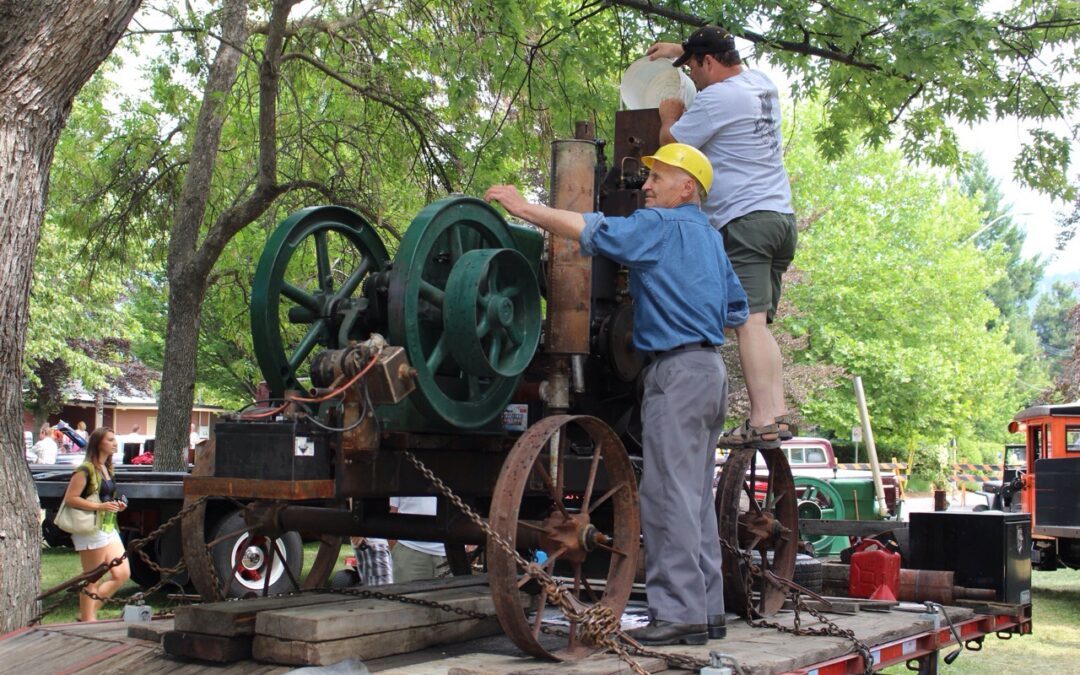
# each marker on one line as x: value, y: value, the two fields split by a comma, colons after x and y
x: 307, y: 289
x: 757, y: 512
x: 465, y: 305
x: 568, y: 486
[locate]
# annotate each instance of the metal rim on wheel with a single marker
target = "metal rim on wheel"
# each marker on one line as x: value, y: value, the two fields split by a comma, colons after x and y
x: 771, y: 525
x: 328, y: 303
x: 566, y: 519
x: 433, y: 245
x: 207, y: 580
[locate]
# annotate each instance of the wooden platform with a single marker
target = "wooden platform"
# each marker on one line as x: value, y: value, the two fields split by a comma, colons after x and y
x: 115, y: 647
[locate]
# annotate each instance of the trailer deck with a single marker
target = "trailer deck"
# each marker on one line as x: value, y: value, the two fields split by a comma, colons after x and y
x: 894, y: 637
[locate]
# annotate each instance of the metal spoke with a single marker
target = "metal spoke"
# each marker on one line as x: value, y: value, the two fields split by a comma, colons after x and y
x: 540, y: 605
x: 322, y: 258
x: 456, y: 248
x: 594, y: 468
x: 611, y: 549
x: 546, y: 477
x: 495, y: 351
x: 269, y: 569
x: 516, y: 334
x: 285, y: 565
x: 474, y: 387
x: 607, y: 495
x: 749, y: 490
x: 300, y: 297
x: 484, y: 327
x: 511, y: 291
x: 311, y: 338
x: 432, y: 293
x: 493, y: 279
x: 353, y: 282
x: 589, y: 588
x: 438, y: 354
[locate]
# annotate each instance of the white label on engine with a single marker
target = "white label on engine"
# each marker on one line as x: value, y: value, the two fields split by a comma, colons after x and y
x: 1025, y: 597
x: 908, y: 647
x: 305, y: 447
x: 516, y: 417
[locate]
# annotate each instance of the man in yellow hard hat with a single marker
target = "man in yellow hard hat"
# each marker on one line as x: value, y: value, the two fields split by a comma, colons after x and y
x: 685, y: 294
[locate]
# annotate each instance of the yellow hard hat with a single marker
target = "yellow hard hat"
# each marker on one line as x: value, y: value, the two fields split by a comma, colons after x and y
x: 686, y: 157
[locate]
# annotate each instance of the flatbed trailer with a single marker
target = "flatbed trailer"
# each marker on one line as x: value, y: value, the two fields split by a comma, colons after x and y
x: 894, y: 635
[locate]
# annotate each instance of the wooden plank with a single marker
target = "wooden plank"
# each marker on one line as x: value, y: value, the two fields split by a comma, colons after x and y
x: 369, y: 616
x: 853, y: 528
x: 257, y: 488
x: 150, y: 631
x: 237, y: 617
x: 299, y: 653
x: 214, y: 648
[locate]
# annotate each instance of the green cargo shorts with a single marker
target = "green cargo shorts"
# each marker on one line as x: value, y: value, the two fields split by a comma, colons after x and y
x: 761, y: 246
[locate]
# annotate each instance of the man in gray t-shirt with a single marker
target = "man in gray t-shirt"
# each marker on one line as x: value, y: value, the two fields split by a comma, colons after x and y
x: 735, y: 121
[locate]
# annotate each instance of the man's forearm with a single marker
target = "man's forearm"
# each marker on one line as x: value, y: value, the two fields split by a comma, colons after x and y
x: 569, y: 224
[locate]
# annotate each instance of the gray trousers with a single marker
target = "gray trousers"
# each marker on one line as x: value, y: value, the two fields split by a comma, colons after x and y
x: 683, y: 411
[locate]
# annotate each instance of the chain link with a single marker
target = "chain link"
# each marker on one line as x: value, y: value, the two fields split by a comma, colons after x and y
x: 134, y: 546
x: 750, y: 569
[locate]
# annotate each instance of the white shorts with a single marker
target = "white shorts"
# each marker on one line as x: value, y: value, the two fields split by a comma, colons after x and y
x: 99, y: 539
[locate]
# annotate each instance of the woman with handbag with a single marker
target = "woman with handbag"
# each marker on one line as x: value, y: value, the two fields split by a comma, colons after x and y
x: 92, y: 490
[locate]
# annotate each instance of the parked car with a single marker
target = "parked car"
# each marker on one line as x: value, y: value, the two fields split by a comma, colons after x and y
x: 814, y: 457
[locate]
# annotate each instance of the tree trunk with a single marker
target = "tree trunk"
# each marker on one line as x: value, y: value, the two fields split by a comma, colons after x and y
x: 188, y: 268
x: 48, y: 50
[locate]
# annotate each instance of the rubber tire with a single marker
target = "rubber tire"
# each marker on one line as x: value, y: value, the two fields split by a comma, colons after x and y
x: 141, y: 573
x: 53, y: 535
x: 344, y: 579
x: 808, y: 571
x: 290, y: 543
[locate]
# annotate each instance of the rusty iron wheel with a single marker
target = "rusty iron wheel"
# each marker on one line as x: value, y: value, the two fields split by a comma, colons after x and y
x: 589, y: 519
x: 211, y: 583
x: 757, y: 513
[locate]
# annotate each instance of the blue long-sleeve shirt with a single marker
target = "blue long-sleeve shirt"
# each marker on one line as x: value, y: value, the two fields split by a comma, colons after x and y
x: 684, y: 288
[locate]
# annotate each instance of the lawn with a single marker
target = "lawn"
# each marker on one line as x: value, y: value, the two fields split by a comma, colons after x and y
x: 61, y: 564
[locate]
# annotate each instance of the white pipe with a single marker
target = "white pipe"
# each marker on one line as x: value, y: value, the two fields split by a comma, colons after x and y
x: 871, y: 449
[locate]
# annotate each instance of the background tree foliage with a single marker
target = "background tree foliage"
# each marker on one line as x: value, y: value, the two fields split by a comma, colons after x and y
x: 386, y: 106
x: 895, y: 291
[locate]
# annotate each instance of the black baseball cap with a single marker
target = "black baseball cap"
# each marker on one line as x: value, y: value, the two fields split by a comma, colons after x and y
x: 706, y: 40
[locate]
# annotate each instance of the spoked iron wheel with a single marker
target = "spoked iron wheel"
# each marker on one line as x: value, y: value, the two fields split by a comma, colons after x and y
x: 757, y: 513
x: 228, y: 561
x: 308, y: 290
x: 569, y: 483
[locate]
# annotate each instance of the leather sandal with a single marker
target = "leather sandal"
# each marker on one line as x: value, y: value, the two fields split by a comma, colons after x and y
x: 787, y: 426
x: 745, y: 436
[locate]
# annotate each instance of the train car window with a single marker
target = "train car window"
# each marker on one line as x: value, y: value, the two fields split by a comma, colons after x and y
x: 1072, y: 438
x: 1049, y: 441
x: 817, y: 455
x: 1035, y: 439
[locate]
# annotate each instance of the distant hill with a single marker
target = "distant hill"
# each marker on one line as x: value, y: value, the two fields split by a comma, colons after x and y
x: 1067, y: 277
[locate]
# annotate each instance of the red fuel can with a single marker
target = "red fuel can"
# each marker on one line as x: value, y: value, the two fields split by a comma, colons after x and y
x: 874, y: 569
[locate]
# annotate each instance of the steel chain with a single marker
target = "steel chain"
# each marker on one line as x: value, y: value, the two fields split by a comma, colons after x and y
x: 134, y: 546
x: 601, y: 625
x: 398, y: 597
x: 751, y: 569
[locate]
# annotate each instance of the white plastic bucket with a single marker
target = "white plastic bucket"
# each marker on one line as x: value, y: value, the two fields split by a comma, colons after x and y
x: 645, y: 83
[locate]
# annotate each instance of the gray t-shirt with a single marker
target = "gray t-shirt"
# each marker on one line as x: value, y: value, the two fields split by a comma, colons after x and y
x: 736, y: 123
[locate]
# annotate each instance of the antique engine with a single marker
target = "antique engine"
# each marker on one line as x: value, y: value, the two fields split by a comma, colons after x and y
x: 496, y: 358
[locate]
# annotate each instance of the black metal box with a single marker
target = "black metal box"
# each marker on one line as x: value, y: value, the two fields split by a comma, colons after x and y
x: 986, y: 550
x: 270, y: 451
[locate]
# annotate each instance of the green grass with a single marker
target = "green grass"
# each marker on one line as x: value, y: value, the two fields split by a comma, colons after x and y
x: 1053, y: 646
x: 60, y: 564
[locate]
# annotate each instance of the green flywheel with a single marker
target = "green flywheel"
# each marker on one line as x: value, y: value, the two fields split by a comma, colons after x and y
x: 308, y: 289
x: 465, y: 305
